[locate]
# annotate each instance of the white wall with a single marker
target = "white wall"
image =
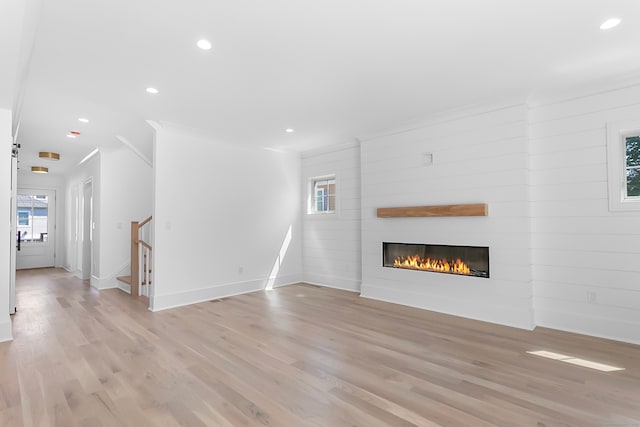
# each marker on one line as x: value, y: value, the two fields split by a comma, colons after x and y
x: 248, y: 197
x: 122, y: 192
x: 29, y: 180
x: 126, y: 194
x: 5, y: 223
x: 579, y: 246
x: 478, y: 158
x: 331, y: 243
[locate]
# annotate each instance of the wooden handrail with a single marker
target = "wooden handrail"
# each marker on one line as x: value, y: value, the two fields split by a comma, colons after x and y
x: 135, y: 257
x: 143, y: 223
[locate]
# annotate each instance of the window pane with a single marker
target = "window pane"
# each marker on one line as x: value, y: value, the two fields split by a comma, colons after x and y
x: 320, y: 205
x: 324, y: 195
x: 23, y: 218
x: 633, y: 183
x: 33, y: 217
x: 633, y: 150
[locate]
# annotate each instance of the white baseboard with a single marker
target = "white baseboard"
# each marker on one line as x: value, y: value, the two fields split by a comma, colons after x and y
x: 180, y: 299
x: 6, y: 333
x: 501, y: 315
x: 103, y: 283
x: 612, y: 329
x: 332, y: 282
x: 124, y: 286
x: 110, y: 281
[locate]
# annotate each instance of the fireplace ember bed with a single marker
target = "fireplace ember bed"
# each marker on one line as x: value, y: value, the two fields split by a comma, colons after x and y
x: 461, y: 260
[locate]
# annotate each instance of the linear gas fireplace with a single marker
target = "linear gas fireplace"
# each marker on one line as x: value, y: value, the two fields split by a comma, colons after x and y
x: 462, y: 260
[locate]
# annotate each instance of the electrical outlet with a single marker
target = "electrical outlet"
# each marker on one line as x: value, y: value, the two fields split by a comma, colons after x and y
x: 240, y: 270
x: 591, y: 297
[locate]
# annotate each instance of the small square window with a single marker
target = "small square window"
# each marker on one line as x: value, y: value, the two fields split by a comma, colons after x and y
x: 322, y: 195
x: 623, y: 164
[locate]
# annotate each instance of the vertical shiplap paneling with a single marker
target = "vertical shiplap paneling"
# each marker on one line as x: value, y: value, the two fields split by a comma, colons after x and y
x: 481, y: 158
x: 586, y: 274
x: 331, y: 243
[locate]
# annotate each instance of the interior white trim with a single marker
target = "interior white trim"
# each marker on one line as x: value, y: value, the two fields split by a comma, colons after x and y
x: 330, y: 149
x: 334, y: 282
x: 165, y: 302
x: 110, y: 281
x: 472, y: 310
x: 590, y: 325
x: 616, y: 131
x: 6, y: 333
x: 133, y: 148
x: 444, y: 116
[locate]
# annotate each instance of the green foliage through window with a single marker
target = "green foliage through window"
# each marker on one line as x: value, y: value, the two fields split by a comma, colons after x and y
x: 632, y: 164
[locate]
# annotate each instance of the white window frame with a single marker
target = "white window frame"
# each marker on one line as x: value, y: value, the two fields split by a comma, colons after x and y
x: 617, y: 132
x: 311, y: 195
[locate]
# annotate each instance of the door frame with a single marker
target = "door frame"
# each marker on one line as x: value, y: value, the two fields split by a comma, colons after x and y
x: 14, y: 234
x: 87, y: 229
x: 51, y: 224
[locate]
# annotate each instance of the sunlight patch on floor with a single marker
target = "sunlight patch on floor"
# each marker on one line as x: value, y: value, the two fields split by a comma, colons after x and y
x: 576, y: 361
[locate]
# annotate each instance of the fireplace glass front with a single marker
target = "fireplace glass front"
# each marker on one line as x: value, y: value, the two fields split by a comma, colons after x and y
x: 461, y: 260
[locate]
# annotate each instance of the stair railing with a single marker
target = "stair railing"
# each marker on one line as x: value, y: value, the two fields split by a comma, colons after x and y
x: 141, y: 258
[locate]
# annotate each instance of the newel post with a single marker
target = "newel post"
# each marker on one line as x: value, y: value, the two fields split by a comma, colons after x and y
x: 135, y: 261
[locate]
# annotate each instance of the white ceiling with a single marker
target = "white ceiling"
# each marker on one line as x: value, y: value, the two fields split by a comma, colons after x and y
x: 331, y: 69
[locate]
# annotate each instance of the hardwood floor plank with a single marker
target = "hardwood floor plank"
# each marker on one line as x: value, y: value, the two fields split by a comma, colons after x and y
x: 300, y: 355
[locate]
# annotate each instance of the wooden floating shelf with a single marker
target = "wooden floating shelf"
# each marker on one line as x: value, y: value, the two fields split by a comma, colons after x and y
x: 478, y: 209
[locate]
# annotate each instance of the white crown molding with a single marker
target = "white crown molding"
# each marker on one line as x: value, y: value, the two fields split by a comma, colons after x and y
x: 330, y: 149
x: 547, y: 97
x: 443, y: 116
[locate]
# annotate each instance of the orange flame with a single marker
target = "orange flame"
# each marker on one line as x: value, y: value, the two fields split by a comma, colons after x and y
x: 415, y: 262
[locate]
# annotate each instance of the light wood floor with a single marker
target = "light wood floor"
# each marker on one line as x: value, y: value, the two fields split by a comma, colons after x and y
x: 296, y: 356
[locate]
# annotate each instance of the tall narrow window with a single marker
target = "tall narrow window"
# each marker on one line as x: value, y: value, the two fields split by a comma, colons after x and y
x: 323, y: 195
x: 632, y: 165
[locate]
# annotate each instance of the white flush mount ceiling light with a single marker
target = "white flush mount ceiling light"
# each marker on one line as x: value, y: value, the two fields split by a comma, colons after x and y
x: 83, y: 120
x: 610, y: 23
x: 204, y: 44
x: 288, y: 130
x: 152, y: 90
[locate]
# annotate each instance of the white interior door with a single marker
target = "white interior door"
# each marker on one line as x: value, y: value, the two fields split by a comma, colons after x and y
x: 36, y: 227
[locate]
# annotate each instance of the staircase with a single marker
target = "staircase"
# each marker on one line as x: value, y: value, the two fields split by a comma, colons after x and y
x: 141, y: 260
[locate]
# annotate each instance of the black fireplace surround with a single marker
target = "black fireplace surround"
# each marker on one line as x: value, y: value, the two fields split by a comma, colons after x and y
x: 461, y: 260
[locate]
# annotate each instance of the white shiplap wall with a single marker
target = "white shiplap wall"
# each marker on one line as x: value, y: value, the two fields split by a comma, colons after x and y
x: 331, y: 243
x: 579, y: 247
x: 478, y: 158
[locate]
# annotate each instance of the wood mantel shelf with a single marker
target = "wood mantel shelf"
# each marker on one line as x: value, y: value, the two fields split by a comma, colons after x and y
x: 478, y: 209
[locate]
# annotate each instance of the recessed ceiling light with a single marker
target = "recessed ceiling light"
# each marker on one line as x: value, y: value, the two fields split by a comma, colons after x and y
x: 288, y: 130
x: 83, y: 120
x: 204, y: 44
x: 610, y: 23
x: 152, y: 90
x: 39, y: 169
x: 71, y: 135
